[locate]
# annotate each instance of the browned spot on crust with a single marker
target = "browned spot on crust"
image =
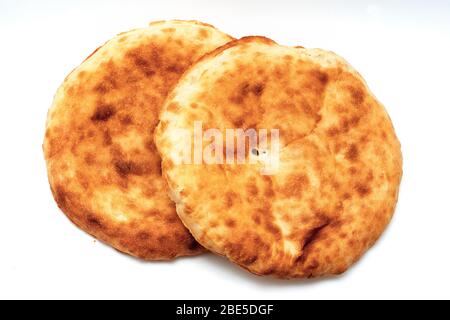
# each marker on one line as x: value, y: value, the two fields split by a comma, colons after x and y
x: 332, y: 132
x: 358, y: 95
x: 256, y: 218
x: 347, y: 124
x: 239, y: 97
x: 94, y: 222
x: 230, y: 198
x: 107, y: 139
x: 126, y: 168
x: 103, y: 113
x: 352, y: 153
x: 175, y: 68
x: 273, y: 229
x: 252, y: 189
x: 244, y: 90
x: 126, y: 120
x: 322, y: 77
x: 343, y: 235
x: 107, y: 84
x: 89, y: 159
x: 278, y: 73
x: 238, y: 123
x: 214, y: 224
x: 90, y: 134
x: 269, y: 192
x: 172, y: 219
x: 258, y: 89
x: 146, y: 59
x: 230, y: 223
x: 362, y: 190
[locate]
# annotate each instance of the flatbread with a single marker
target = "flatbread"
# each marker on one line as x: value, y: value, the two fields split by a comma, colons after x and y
x: 340, y: 162
x: 102, y: 163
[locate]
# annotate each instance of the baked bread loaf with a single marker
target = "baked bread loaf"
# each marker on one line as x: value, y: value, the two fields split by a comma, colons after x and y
x: 103, y: 166
x: 335, y: 186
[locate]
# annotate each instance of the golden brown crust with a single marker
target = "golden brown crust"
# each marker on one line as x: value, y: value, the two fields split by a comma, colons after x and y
x: 340, y: 160
x: 102, y: 163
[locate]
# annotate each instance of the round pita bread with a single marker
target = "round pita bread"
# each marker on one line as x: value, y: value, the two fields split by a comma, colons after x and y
x: 102, y: 163
x: 339, y: 170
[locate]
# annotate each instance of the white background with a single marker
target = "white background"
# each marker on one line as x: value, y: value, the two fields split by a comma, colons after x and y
x: 402, y: 48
